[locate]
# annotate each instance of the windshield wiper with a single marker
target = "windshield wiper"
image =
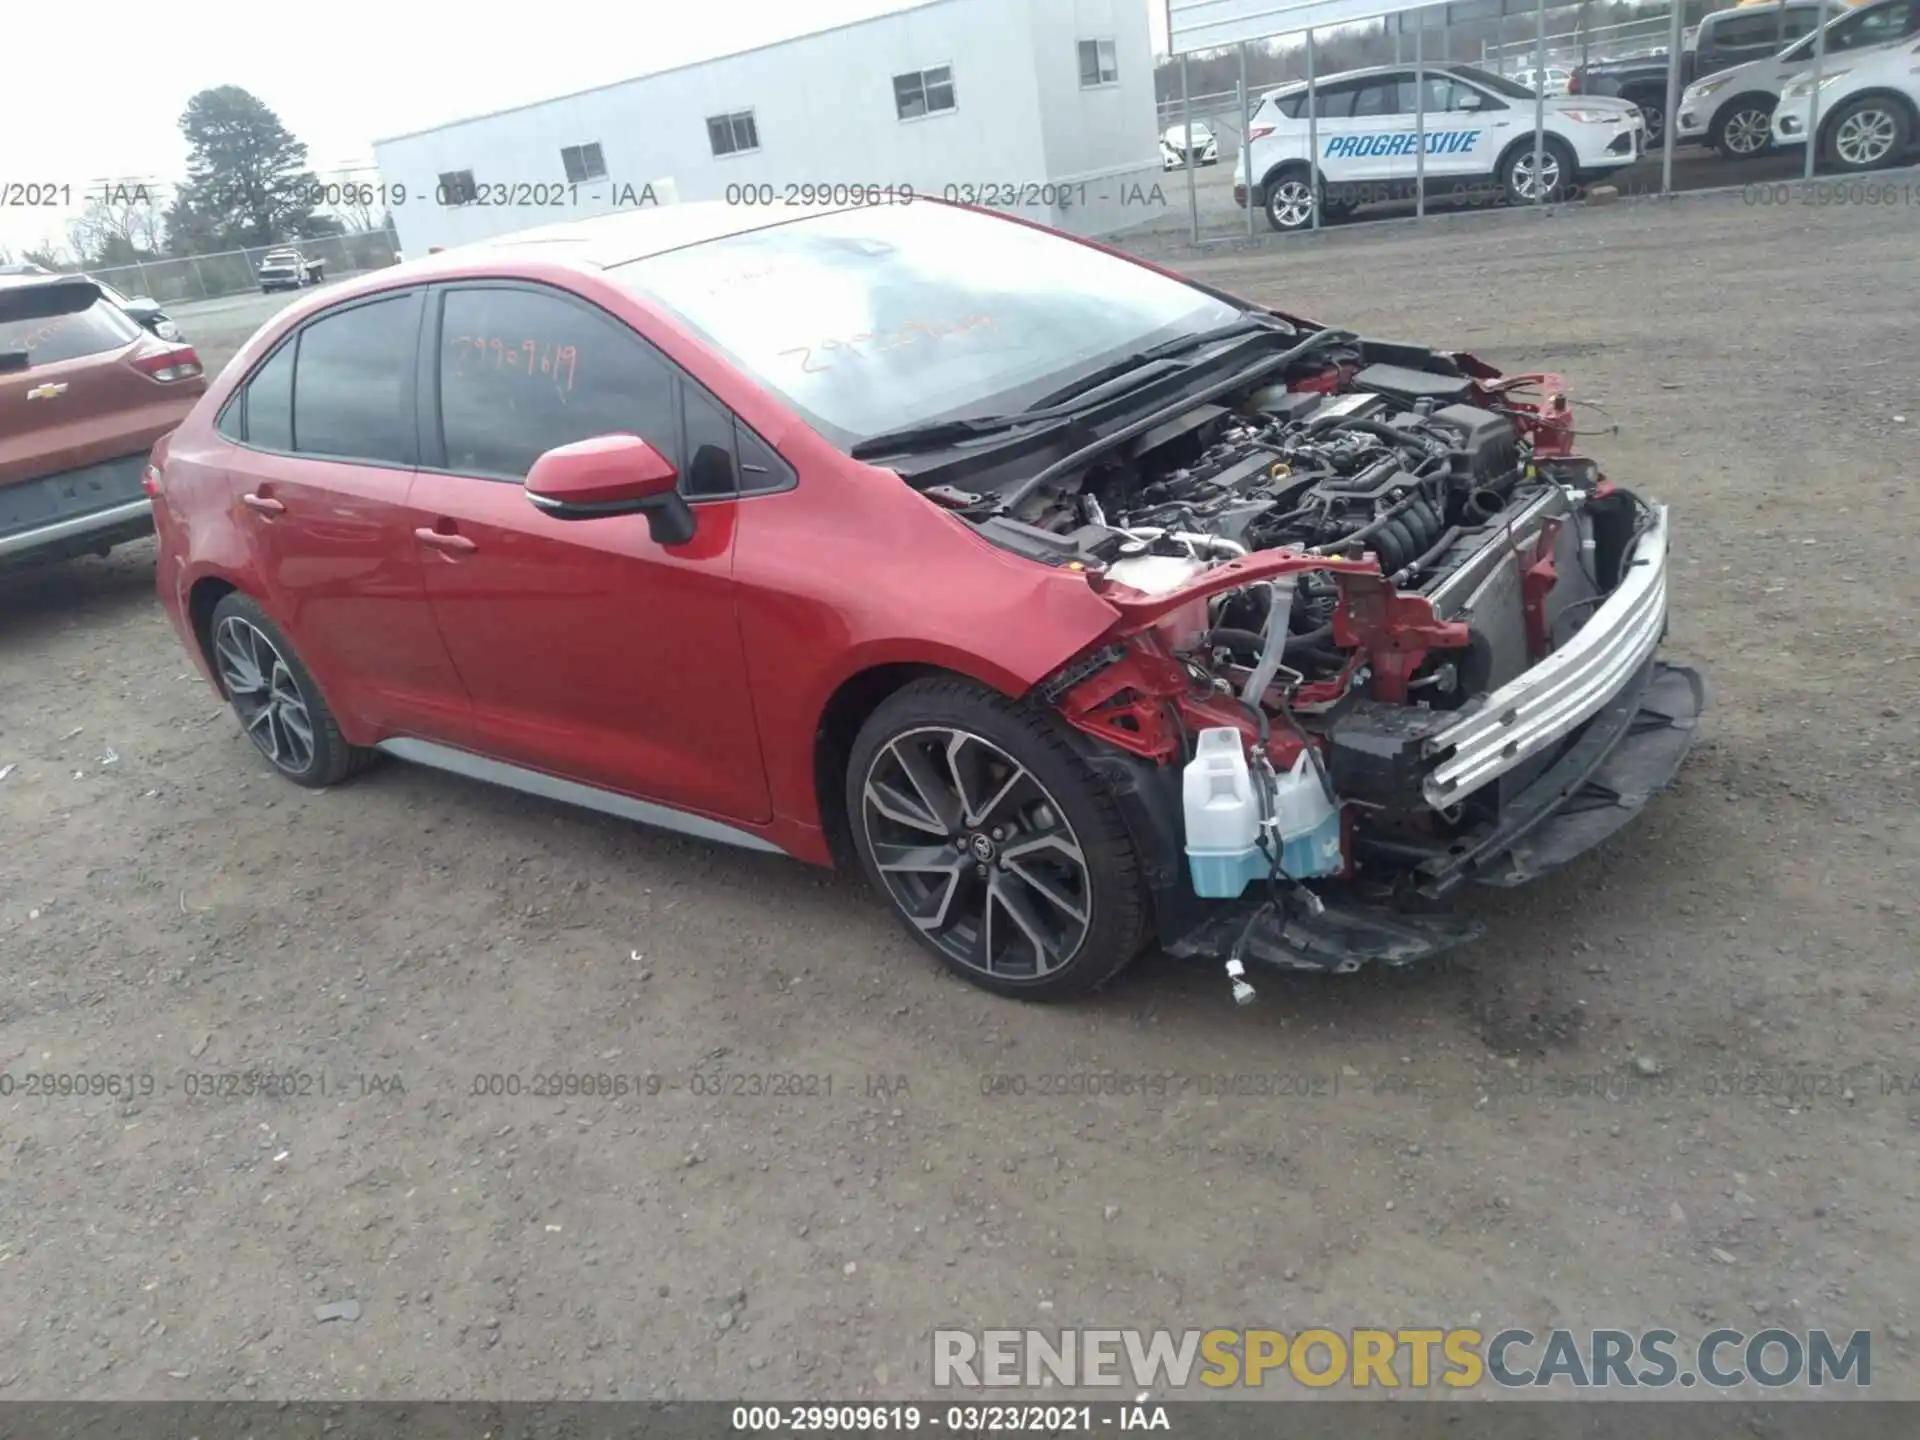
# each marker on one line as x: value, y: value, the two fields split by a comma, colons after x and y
x: 1142, y: 359
x: 938, y: 433
x: 1056, y: 406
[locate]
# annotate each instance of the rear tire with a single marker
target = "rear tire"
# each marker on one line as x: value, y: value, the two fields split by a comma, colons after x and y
x: 280, y: 708
x: 1289, y: 202
x: 996, y: 845
x: 1867, y: 133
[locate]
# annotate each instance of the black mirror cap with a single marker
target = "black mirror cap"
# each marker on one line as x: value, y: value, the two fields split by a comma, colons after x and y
x: 670, y: 520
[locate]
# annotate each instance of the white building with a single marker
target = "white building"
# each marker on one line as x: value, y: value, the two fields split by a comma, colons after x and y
x: 1041, y: 107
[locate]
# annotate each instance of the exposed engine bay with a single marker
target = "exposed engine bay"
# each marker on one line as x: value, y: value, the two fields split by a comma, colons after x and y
x: 1395, y: 464
x: 1390, y: 624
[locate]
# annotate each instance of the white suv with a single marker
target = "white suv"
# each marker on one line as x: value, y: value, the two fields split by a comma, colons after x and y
x: 1478, y: 131
x: 1559, y: 79
x: 1867, y: 110
x: 1733, y: 110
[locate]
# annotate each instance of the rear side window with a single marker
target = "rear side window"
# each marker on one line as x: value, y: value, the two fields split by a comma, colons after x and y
x: 353, y: 383
x: 51, y: 323
x: 522, y: 372
x: 269, y: 410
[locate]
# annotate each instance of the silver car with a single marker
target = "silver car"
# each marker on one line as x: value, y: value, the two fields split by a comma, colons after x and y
x: 1732, y: 110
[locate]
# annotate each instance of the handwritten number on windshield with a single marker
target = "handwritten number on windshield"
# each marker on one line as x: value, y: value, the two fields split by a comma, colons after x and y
x: 822, y: 354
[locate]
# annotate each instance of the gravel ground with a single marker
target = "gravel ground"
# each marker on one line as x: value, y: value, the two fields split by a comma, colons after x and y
x: 1674, y: 1086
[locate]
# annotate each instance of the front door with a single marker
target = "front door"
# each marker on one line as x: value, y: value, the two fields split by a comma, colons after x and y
x: 588, y: 650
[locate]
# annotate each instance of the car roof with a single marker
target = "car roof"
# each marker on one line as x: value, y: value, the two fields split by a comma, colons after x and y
x: 1294, y: 87
x: 15, y: 280
x: 639, y: 232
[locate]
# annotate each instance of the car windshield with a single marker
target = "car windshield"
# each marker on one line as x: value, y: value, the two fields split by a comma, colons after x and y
x: 875, y: 319
x: 1200, y: 130
x: 1499, y: 84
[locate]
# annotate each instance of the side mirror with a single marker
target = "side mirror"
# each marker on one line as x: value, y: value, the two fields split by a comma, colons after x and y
x: 1468, y: 101
x: 612, y: 475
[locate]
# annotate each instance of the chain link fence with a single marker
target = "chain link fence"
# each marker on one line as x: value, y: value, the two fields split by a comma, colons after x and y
x: 236, y: 272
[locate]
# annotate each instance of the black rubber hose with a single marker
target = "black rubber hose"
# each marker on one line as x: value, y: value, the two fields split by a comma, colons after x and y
x: 1372, y: 527
x: 1432, y: 553
x: 1236, y: 639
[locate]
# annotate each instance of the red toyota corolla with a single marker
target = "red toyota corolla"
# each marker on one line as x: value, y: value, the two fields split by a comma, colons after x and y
x: 1082, y: 606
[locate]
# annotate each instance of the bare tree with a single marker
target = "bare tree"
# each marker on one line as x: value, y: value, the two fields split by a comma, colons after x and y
x: 119, y: 225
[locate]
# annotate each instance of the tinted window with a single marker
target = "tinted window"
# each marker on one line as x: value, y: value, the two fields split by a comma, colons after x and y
x: 353, y: 393
x: 270, y: 403
x: 1332, y: 102
x: 1741, y: 32
x: 1871, y: 27
x: 1444, y: 96
x: 1487, y: 81
x: 522, y: 372
x: 41, y: 320
x: 709, y: 446
x: 1378, y: 97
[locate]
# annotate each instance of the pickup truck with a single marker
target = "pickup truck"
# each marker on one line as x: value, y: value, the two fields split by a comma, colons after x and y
x: 288, y: 269
x: 1725, y: 38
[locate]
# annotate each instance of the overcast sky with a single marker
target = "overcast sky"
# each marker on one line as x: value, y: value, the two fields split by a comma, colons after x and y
x: 339, y: 74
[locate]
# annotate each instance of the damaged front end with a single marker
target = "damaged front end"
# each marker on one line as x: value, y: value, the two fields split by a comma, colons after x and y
x: 1381, y: 633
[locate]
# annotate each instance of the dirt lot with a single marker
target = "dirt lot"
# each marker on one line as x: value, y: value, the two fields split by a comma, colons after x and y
x: 1675, y: 1085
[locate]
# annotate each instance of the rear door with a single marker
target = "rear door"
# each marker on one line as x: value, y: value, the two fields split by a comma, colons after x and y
x: 73, y: 406
x: 324, y: 441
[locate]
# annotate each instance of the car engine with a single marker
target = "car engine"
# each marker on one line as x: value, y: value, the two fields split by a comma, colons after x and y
x: 1395, y: 464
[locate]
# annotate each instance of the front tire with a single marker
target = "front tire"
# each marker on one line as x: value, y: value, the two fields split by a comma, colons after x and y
x: 1654, y: 112
x: 279, y: 706
x: 1867, y: 133
x: 1743, y: 130
x: 1519, y: 183
x: 993, y: 841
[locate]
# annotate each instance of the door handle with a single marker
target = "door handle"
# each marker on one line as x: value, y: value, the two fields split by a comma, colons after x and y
x: 265, y: 504
x: 440, y: 540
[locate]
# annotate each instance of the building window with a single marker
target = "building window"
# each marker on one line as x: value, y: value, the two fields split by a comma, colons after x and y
x: 732, y: 134
x: 583, y: 162
x: 1097, y: 65
x: 456, y: 188
x: 923, y: 92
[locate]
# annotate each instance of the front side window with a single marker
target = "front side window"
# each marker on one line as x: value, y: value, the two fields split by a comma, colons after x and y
x: 523, y: 371
x: 1379, y: 97
x: 733, y: 134
x: 1097, y: 64
x: 353, y: 383
x: 923, y: 92
x: 866, y: 320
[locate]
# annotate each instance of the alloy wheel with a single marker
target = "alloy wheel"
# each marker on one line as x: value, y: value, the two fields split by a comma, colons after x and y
x: 1528, y: 186
x: 1656, y: 118
x: 976, y: 853
x: 265, y: 694
x: 1291, y: 204
x: 1865, y: 138
x: 1748, y: 132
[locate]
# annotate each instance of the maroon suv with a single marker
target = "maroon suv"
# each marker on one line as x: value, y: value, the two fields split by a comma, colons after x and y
x: 84, y: 394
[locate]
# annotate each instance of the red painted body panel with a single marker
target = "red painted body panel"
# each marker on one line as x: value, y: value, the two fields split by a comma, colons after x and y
x: 533, y: 648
